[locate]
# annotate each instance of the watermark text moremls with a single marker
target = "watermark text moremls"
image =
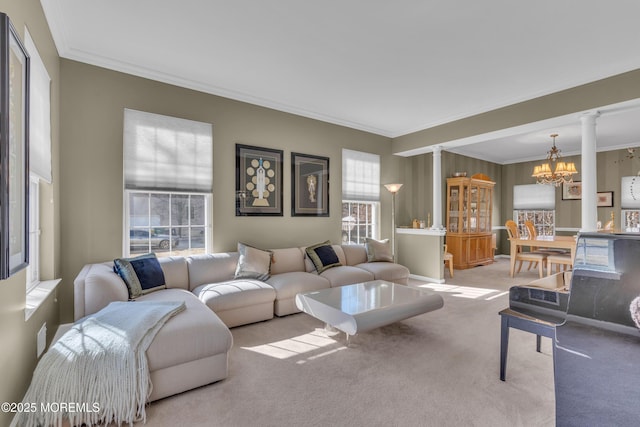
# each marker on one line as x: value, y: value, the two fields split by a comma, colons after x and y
x: 51, y: 407
x: 70, y: 407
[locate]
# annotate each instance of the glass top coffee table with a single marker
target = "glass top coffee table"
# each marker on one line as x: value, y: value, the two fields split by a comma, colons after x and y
x: 369, y: 305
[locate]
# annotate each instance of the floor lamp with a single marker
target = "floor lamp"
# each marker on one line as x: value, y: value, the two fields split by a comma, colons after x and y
x: 393, y: 189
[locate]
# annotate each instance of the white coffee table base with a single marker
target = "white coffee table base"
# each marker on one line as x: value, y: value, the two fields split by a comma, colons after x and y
x: 366, y: 306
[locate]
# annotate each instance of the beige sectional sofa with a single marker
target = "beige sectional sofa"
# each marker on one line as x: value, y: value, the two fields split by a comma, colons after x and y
x: 192, y: 348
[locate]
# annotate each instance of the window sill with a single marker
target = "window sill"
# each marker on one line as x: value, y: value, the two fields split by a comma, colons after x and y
x: 37, y: 296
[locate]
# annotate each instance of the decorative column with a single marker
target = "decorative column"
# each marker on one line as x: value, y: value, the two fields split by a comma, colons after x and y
x: 437, y: 188
x: 589, y: 172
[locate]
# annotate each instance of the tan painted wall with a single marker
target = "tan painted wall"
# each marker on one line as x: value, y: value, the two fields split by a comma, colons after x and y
x: 422, y: 254
x: 622, y: 87
x: 92, y: 115
x: 17, y: 336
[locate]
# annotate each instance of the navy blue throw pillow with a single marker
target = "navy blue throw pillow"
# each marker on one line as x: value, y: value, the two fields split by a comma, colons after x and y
x: 323, y: 256
x: 142, y: 274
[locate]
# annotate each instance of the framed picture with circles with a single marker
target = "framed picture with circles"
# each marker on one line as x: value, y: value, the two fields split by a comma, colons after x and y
x: 258, y: 181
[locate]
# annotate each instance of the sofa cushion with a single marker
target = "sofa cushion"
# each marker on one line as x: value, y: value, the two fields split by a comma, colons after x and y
x: 378, y: 250
x: 234, y: 294
x: 176, y: 274
x: 253, y: 263
x: 389, y: 271
x: 141, y: 274
x: 346, y: 275
x: 211, y: 268
x: 287, y: 260
x: 354, y: 254
x: 288, y: 285
x: 323, y: 256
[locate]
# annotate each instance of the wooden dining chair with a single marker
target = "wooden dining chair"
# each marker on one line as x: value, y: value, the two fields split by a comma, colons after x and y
x: 448, y: 259
x: 558, y: 260
x: 537, y: 258
x: 532, y: 231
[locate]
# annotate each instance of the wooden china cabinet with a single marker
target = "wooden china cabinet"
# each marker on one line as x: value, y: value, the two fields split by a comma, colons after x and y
x: 469, y: 206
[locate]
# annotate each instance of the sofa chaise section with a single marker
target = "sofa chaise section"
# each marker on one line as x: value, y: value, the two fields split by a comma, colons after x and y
x: 189, y: 351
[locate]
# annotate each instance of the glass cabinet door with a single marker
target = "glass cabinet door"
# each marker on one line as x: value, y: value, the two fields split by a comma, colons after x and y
x: 474, y: 197
x: 466, y: 207
x: 454, y: 208
x: 484, y: 213
x: 469, y: 206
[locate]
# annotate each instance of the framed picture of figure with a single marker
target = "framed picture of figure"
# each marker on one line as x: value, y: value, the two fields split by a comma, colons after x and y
x: 258, y: 181
x: 309, y: 185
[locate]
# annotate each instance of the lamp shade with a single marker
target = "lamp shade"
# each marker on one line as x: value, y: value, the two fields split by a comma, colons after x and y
x: 393, y: 188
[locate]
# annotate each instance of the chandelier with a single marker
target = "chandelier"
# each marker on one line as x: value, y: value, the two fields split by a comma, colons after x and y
x: 554, y: 171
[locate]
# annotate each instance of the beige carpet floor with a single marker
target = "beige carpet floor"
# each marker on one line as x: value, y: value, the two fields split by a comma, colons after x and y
x: 436, y: 369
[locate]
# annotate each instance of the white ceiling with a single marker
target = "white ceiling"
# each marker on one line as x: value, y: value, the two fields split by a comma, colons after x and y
x: 389, y: 68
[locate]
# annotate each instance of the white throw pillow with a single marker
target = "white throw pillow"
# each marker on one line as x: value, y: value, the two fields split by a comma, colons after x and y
x: 253, y: 263
x: 378, y: 250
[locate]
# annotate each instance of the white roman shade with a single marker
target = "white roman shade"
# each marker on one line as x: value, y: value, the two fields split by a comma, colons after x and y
x: 360, y: 176
x: 39, y: 114
x: 163, y: 153
x: 534, y: 196
x: 630, y: 197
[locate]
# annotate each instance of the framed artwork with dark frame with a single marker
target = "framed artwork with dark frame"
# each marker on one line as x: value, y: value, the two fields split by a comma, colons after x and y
x: 14, y: 151
x: 258, y: 181
x: 309, y: 185
x: 605, y: 199
x: 572, y: 190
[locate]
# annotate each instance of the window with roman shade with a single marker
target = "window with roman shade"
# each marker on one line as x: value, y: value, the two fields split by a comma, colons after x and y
x: 360, y: 196
x: 536, y: 203
x: 168, y: 181
x: 39, y: 152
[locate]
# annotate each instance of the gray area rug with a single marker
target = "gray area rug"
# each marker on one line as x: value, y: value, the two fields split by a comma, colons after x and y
x: 436, y: 369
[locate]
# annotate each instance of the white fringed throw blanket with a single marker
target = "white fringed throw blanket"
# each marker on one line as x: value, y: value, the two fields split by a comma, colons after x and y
x: 97, y: 371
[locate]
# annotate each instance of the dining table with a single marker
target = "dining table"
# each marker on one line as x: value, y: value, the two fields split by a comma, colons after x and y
x: 556, y: 242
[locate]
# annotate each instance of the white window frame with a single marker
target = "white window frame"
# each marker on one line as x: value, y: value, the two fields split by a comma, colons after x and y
x: 33, y: 269
x: 126, y: 248
x: 39, y: 154
x: 374, y: 221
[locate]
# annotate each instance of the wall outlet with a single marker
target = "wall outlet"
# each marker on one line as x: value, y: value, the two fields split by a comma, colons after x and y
x: 41, y: 339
